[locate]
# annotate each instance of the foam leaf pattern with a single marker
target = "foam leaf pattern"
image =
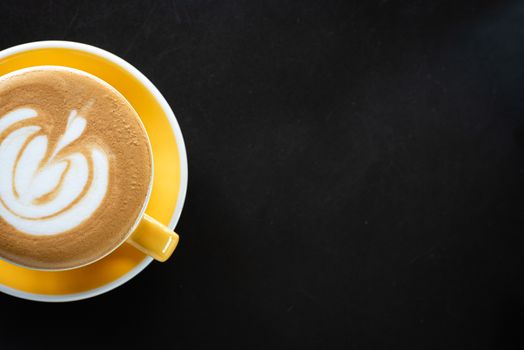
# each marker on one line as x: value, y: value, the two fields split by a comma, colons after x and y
x: 41, y: 196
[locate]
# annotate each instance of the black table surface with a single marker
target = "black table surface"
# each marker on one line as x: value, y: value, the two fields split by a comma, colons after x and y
x: 355, y: 175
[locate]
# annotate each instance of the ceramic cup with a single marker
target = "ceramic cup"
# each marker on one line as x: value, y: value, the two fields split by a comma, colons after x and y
x: 153, y: 238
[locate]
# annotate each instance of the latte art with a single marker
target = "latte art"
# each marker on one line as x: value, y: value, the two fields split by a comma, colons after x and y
x: 75, y: 168
x: 47, y: 192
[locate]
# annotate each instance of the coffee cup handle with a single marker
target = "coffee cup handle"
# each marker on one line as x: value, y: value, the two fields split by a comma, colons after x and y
x: 154, y: 239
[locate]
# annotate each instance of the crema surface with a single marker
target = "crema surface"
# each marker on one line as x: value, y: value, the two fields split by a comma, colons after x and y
x: 75, y: 168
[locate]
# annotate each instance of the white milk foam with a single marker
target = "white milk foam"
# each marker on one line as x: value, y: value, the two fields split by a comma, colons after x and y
x: 25, y: 177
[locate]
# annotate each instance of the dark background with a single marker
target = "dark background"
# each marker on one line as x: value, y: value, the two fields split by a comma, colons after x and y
x: 355, y: 175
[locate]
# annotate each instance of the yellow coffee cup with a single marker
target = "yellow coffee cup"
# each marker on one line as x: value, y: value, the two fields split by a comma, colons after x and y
x: 153, y: 237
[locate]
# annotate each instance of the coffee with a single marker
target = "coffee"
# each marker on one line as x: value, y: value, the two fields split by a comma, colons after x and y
x: 75, y: 168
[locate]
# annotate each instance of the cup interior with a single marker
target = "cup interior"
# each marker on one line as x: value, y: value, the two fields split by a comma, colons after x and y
x: 137, y: 219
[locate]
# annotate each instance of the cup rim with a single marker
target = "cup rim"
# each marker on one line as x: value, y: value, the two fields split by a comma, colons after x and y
x: 177, y: 133
x: 150, y: 185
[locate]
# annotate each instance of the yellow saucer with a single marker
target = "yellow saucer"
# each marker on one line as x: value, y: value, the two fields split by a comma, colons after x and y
x: 170, y: 171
